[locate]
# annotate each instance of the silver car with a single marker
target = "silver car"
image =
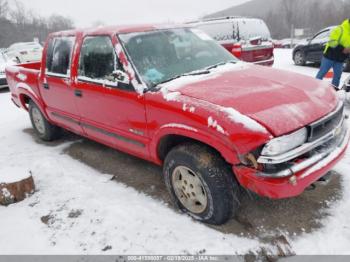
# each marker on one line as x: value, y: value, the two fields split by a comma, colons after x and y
x: 4, y: 61
x: 25, y: 52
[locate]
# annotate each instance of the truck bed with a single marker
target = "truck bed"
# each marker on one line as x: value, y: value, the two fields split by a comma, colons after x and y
x: 25, y: 77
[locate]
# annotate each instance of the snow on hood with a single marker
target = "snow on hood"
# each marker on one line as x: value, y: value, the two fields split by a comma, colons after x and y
x: 278, y: 100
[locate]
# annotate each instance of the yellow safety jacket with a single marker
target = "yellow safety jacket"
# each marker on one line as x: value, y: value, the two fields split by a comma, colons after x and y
x: 338, y: 40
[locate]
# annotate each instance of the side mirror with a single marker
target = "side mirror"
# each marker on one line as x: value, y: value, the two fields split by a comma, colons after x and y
x: 121, y: 76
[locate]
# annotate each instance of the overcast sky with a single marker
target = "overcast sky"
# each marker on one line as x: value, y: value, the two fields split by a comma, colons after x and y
x: 111, y: 12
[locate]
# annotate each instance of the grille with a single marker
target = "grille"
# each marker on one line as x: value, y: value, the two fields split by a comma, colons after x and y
x: 326, y: 125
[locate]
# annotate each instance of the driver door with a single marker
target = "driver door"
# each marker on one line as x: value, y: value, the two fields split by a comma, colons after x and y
x: 110, y: 110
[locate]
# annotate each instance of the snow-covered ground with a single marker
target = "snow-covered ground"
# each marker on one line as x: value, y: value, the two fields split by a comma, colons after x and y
x: 334, y: 237
x: 78, y: 210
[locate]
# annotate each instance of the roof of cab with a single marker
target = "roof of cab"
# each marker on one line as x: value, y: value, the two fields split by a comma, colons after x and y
x: 108, y: 30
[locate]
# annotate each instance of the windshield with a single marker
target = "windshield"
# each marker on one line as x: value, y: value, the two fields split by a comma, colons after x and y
x: 162, y: 55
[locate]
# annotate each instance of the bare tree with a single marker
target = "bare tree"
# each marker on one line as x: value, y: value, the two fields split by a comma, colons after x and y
x: 58, y: 23
x: 18, y: 24
x: 4, y: 8
x: 18, y: 14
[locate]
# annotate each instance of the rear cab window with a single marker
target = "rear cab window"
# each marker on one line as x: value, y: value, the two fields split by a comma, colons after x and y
x: 59, y: 56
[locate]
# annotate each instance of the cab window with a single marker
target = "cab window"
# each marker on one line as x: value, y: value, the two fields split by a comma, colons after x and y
x: 59, y: 55
x: 97, y: 59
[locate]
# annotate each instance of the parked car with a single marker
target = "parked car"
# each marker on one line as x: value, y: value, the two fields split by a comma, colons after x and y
x: 312, y: 49
x: 173, y: 96
x: 249, y: 39
x: 25, y: 52
x: 4, y: 61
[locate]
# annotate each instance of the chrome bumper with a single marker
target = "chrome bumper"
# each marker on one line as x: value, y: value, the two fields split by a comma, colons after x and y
x: 326, y: 149
x: 307, y: 147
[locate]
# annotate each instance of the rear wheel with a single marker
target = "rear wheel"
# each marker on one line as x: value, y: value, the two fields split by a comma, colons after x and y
x: 201, y: 183
x: 299, y: 58
x: 45, y: 130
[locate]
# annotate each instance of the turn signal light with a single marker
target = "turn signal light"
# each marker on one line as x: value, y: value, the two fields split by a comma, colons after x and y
x: 237, y: 50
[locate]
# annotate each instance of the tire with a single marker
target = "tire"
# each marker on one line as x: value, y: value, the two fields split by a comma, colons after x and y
x: 44, y: 130
x: 214, y: 198
x: 347, y: 66
x: 299, y: 58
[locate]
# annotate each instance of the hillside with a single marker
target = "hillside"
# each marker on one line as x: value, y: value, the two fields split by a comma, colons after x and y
x: 281, y: 14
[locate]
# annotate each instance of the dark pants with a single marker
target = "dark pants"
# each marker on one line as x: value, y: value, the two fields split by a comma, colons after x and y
x: 327, y: 64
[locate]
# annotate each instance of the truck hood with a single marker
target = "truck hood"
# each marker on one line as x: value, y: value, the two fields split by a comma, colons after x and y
x: 280, y: 101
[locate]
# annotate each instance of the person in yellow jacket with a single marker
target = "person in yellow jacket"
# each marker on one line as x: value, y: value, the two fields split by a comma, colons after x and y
x: 336, y: 52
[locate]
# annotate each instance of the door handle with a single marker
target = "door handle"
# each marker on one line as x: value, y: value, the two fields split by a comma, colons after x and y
x: 78, y: 93
x: 46, y: 86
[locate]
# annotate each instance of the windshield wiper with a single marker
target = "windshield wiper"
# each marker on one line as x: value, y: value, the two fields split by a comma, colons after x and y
x: 194, y: 73
x: 219, y: 64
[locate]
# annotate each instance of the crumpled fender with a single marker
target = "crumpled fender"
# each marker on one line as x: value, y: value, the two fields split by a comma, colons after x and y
x: 229, y: 154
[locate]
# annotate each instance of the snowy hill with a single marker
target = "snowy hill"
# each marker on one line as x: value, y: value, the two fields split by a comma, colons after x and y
x: 281, y: 14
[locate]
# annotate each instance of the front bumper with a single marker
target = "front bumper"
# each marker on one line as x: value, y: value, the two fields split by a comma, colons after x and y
x: 300, y: 174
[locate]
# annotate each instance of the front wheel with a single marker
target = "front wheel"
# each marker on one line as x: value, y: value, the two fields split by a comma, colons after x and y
x: 201, y: 183
x: 299, y: 58
x: 45, y: 130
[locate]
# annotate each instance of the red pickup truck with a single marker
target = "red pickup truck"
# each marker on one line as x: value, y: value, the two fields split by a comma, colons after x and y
x: 173, y: 96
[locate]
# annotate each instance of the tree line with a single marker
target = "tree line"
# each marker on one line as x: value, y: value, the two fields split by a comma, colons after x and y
x: 19, y: 24
x: 312, y: 15
x: 282, y: 15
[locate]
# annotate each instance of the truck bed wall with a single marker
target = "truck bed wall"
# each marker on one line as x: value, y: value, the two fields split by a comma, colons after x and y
x: 23, y: 79
x: 33, y: 65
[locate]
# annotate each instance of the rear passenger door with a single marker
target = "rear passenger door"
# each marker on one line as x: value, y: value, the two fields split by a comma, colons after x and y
x: 56, y: 83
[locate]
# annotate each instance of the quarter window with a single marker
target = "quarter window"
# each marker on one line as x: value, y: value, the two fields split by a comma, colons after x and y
x: 59, y: 55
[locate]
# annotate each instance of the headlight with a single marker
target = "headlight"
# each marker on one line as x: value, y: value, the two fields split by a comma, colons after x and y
x: 286, y: 143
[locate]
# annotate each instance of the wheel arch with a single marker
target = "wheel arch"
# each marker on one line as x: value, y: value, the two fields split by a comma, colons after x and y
x: 25, y: 96
x: 165, y: 142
